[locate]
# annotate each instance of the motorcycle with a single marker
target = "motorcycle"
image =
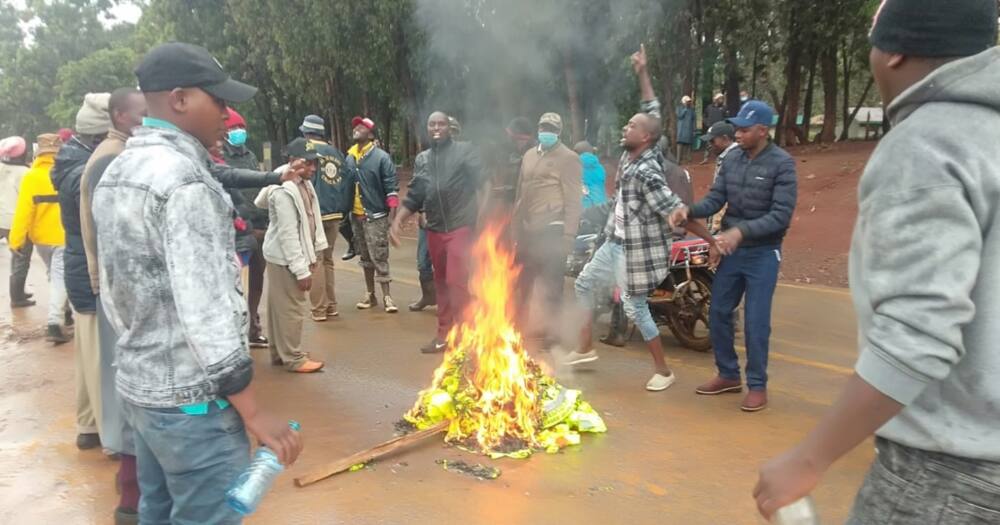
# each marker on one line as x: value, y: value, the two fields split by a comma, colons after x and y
x: 681, y: 302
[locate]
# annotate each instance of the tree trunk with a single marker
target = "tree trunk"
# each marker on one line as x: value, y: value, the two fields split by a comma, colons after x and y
x: 857, y: 107
x: 732, y: 87
x: 828, y: 72
x: 793, y: 88
x: 846, y: 65
x: 810, y: 90
x: 573, y: 101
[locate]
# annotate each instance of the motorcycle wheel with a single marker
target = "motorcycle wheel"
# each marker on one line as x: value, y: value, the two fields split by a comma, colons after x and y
x: 688, y: 317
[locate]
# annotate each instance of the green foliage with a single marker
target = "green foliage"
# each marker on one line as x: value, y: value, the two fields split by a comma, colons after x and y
x: 102, y: 71
x: 484, y: 61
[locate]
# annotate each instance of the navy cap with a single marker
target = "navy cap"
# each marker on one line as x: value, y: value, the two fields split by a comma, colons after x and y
x: 301, y: 148
x: 752, y: 113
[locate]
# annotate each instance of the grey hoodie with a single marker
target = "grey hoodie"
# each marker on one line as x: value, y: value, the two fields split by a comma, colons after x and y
x: 925, y: 262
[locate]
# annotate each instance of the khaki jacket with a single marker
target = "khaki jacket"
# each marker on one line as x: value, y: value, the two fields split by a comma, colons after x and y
x: 549, y: 191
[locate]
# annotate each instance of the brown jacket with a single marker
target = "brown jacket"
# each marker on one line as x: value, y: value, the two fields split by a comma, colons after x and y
x: 105, y: 152
x: 549, y: 191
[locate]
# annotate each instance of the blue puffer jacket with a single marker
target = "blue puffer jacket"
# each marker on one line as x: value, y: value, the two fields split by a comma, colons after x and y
x: 761, y: 194
x: 66, y: 173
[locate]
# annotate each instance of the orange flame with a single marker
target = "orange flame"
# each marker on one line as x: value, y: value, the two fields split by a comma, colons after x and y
x: 496, y: 393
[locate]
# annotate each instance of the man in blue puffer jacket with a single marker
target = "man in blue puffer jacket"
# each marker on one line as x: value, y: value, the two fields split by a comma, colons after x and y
x: 758, y: 184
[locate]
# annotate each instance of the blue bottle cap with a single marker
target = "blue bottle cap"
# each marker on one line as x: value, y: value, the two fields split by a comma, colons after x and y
x: 294, y: 425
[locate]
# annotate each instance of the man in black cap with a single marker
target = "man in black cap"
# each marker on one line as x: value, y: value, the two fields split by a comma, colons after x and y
x: 925, y: 277
x: 721, y: 139
x: 170, y: 286
x: 292, y: 247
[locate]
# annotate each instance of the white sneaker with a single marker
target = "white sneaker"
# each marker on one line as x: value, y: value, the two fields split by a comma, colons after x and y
x: 578, y: 358
x: 660, y: 382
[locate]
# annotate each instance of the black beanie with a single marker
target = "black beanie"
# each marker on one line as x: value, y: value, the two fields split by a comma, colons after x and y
x: 935, y: 28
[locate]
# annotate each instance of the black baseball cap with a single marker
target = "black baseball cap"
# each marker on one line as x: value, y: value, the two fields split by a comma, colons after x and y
x: 719, y: 129
x: 180, y: 65
x: 301, y: 148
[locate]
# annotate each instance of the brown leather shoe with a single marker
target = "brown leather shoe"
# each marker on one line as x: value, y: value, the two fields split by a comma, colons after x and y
x: 754, y: 401
x: 720, y: 385
x: 309, y: 367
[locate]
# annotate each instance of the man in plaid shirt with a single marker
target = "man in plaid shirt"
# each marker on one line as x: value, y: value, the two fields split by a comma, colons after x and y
x: 637, y: 253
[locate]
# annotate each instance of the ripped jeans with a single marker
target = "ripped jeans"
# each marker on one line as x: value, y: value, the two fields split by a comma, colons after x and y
x: 607, y: 267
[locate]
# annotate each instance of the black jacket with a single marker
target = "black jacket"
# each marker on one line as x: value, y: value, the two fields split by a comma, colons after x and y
x: 241, y: 157
x: 376, y: 179
x: 334, y: 184
x: 761, y: 194
x: 446, y: 180
x: 66, y: 173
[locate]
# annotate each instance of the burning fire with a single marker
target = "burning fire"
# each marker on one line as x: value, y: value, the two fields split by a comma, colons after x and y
x: 499, y: 400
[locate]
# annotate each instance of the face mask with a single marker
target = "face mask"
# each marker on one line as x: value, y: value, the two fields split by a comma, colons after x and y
x: 237, y: 137
x: 547, y: 139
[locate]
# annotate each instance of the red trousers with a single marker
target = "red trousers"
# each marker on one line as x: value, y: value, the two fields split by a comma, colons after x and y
x: 450, y: 257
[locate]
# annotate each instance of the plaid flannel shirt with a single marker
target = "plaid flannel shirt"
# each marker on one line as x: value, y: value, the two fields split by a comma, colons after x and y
x: 647, y: 200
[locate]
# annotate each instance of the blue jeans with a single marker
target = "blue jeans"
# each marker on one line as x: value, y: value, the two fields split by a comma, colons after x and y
x: 424, y: 257
x: 186, y: 463
x: 608, y: 267
x: 752, y: 271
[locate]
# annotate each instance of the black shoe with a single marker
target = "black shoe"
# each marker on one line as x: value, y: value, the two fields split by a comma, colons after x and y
x: 349, y: 254
x: 258, y: 341
x: 428, y: 297
x: 436, y: 346
x: 22, y: 303
x: 87, y: 441
x: 124, y: 516
x: 55, y: 335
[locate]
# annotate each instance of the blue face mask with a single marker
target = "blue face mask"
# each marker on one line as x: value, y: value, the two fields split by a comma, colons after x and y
x: 547, y: 139
x: 237, y: 137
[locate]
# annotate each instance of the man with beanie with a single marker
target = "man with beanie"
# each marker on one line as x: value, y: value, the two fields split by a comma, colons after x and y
x: 334, y: 188
x: 446, y: 185
x: 184, y: 369
x: 126, y: 107
x: 757, y: 186
x: 546, y: 217
x: 13, y: 152
x: 292, y: 248
x: 376, y: 197
x: 925, y: 278
x: 37, y: 219
x: 92, y: 125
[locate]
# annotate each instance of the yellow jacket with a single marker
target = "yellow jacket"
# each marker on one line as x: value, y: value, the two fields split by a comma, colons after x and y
x: 37, y: 214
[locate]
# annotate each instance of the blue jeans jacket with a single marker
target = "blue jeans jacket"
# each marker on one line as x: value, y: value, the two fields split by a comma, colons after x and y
x: 170, y: 278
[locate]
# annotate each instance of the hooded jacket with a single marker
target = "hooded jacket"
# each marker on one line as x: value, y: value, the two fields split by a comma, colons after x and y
x: 170, y: 278
x: 37, y: 216
x: 594, y: 180
x: 66, y: 176
x: 925, y: 262
x: 445, y: 186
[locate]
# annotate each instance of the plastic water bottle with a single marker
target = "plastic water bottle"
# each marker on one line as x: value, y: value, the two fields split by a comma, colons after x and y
x: 250, y: 486
x: 800, y: 512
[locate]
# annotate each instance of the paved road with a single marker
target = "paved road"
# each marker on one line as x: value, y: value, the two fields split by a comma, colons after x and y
x: 669, y: 457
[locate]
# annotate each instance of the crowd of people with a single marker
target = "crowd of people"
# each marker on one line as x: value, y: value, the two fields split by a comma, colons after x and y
x: 159, y: 232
